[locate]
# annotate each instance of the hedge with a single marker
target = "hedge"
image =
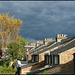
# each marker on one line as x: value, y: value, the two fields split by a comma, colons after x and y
x: 9, y: 70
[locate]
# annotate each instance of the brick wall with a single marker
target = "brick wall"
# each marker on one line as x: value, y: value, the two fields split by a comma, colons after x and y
x: 66, y: 56
x: 29, y: 57
x: 65, y: 61
x: 41, y: 56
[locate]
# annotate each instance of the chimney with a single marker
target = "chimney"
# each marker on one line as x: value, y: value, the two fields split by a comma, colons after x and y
x: 60, y: 37
x: 33, y: 44
x: 39, y: 43
x: 47, y: 40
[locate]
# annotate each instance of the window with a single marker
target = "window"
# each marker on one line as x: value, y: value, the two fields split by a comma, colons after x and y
x: 47, y: 59
x: 56, y: 59
x: 32, y: 58
x: 37, y: 58
x: 50, y: 59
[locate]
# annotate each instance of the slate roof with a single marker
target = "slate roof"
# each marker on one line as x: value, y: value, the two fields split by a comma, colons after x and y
x: 34, y: 49
x: 41, y: 70
x: 43, y: 46
x: 62, y: 49
x: 64, y: 41
x: 29, y: 64
x: 38, y: 46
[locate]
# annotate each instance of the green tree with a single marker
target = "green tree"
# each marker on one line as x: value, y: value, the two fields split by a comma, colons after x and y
x: 14, y: 50
x: 23, y: 41
x: 29, y: 43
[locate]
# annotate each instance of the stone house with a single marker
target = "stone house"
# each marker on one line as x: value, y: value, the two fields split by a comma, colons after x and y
x: 50, y: 54
x: 61, y: 55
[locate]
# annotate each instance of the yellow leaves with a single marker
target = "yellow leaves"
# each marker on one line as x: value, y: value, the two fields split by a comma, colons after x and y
x: 19, y: 22
x: 6, y: 15
x: 10, y: 26
x: 11, y: 19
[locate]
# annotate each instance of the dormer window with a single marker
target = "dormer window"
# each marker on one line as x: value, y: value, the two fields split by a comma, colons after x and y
x: 56, y: 59
x: 35, y: 58
x: 47, y: 59
x: 32, y: 58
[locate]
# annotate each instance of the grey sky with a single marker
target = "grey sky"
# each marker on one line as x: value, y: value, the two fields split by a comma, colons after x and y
x: 42, y: 19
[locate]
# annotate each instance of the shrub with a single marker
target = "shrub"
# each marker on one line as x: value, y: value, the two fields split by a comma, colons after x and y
x: 1, y: 62
x: 7, y: 64
x: 9, y: 70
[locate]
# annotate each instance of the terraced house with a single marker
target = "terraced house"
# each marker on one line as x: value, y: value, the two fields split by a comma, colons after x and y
x: 51, y: 56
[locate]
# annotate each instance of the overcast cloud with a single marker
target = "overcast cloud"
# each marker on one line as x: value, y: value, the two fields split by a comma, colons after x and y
x: 42, y: 19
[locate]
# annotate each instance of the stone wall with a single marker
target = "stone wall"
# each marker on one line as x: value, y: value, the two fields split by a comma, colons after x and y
x: 66, y: 56
x: 65, y: 62
x: 30, y: 57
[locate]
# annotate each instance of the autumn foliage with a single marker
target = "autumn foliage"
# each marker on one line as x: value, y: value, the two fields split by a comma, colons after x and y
x: 9, y: 28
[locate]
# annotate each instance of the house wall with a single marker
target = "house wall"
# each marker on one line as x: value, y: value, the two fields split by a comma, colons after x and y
x: 30, y: 57
x: 41, y: 56
x: 66, y: 56
x: 65, y: 61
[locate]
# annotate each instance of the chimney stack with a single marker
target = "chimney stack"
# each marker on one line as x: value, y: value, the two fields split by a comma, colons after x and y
x: 47, y: 40
x: 60, y: 37
x: 39, y: 43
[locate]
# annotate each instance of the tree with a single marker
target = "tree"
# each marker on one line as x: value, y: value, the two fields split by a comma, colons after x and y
x: 29, y: 43
x: 9, y: 28
x: 23, y: 42
x: 14, y: 50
